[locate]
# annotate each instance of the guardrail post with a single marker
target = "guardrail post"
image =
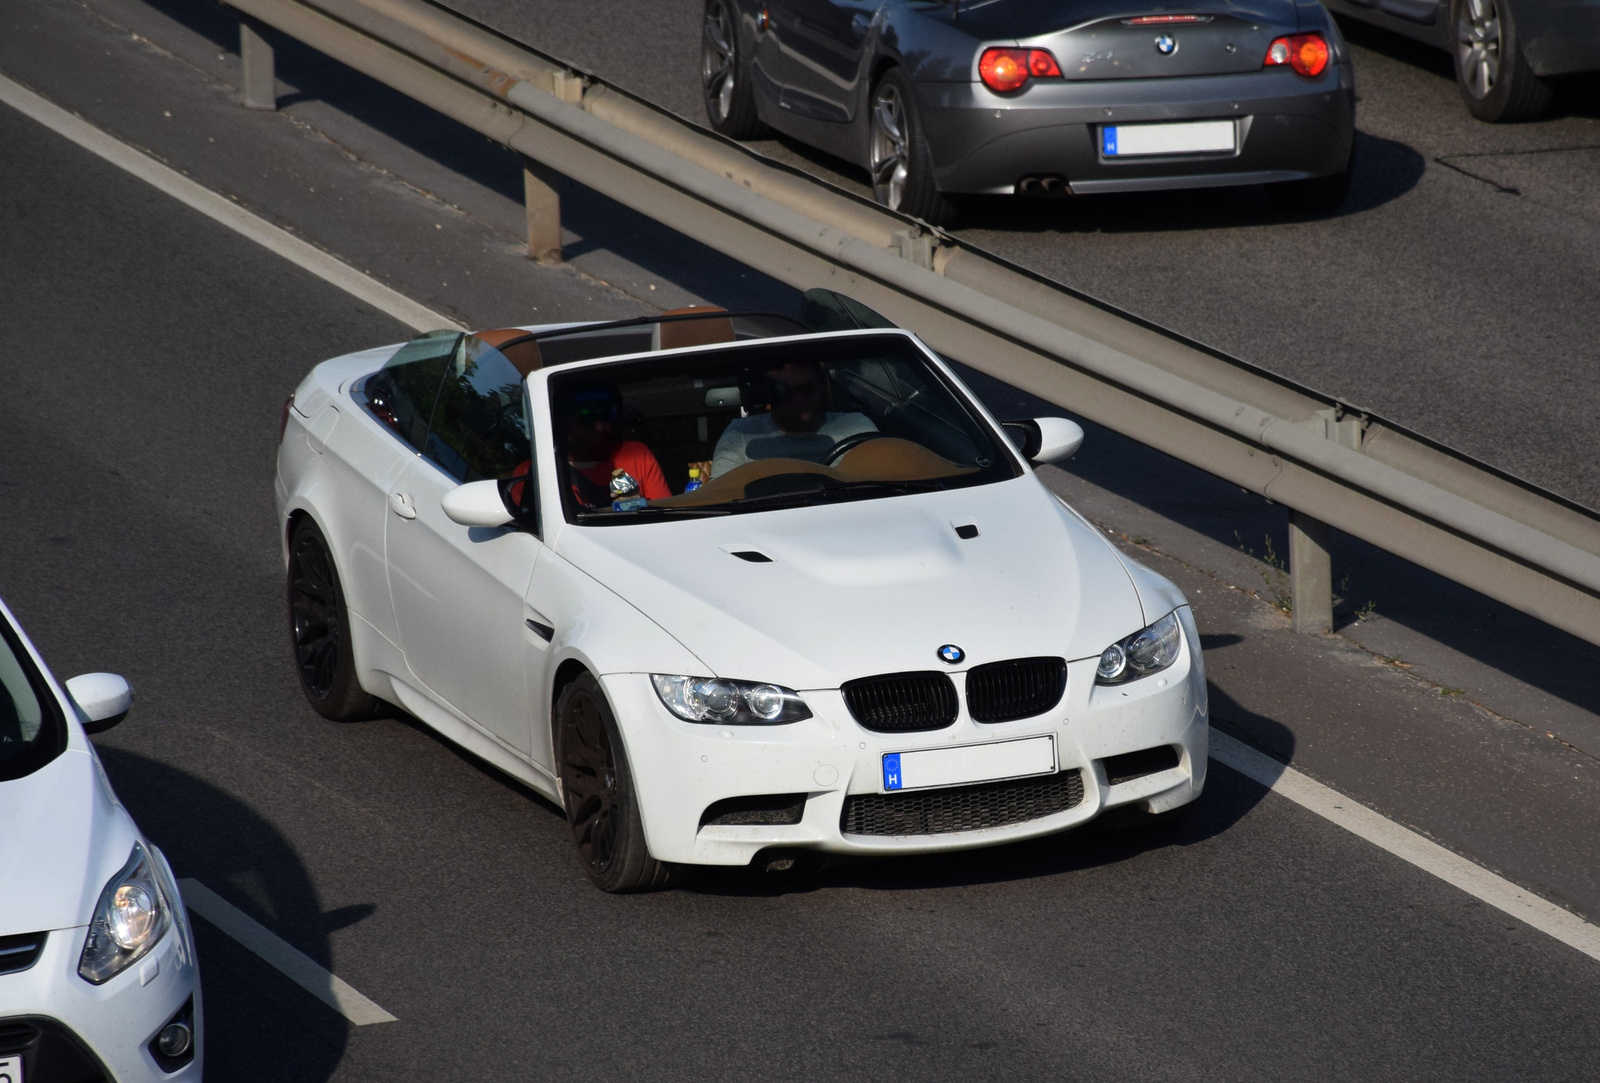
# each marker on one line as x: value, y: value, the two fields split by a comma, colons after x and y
x: 260, y: 68
x: 541, y: 195
x: 1310, y: 574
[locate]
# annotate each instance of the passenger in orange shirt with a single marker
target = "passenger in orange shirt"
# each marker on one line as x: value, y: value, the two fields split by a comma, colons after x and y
x: 595, y: 448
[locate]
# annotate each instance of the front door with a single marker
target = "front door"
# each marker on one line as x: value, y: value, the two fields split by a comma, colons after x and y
x: 459, y: 591
x: 820, y: 45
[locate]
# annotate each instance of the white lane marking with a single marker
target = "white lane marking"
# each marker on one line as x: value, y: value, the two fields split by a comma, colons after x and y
x: 331, y: 270
x: 1407, y: 845
x: 328, y: 988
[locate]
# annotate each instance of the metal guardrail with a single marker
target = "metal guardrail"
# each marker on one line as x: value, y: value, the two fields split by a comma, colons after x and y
x: 1328, y: 462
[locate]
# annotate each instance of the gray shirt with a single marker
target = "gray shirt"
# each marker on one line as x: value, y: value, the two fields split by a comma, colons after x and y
x: 758, y: 437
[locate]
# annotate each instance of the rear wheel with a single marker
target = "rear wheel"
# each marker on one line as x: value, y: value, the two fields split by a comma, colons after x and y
x: 597, y: 789
x: 901, y: 165
x: 319, y: 629
x: 1496, y: 81
x: 725, y: 75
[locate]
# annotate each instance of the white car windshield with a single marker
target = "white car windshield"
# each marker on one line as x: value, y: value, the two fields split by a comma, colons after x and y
x: 765, y: 425
x: 31, y: 730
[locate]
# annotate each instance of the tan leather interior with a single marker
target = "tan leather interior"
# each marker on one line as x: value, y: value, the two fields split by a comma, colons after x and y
x: 517, y: 346
x: 676, y: 334
x: 887, y: 458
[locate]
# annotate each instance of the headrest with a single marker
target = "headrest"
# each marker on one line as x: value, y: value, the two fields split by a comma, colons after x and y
x: 518, y: 346
x: 676, y: 334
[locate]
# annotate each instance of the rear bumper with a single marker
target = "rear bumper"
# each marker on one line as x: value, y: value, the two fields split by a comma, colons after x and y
x: 1289, y: 128
x: 680, y: 769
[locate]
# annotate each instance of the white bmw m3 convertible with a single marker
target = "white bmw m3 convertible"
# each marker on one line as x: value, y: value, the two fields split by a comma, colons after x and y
x: 726, y: 585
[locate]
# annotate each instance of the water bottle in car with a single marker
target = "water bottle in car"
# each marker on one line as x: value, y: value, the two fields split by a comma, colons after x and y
x: 694, y: 480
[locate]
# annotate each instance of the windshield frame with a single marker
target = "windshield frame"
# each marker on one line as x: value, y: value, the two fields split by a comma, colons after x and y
x: 52, y: 739
x: 574, y: 515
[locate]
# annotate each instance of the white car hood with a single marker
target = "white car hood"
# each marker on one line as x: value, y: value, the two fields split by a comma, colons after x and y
x: 871, y: 586
x: 64, y: 837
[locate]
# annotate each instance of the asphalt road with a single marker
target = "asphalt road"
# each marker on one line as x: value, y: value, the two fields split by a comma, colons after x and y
x: 137, y: 434
x: 1456, y: 293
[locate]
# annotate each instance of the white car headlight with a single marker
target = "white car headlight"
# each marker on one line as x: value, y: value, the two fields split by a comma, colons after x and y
x: 716, y: 701
x: 1145, y: 652
x: 131, y: 917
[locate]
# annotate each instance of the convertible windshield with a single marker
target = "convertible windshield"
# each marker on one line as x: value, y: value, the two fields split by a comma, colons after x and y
x: 764, y: 426
x: 31, y: 730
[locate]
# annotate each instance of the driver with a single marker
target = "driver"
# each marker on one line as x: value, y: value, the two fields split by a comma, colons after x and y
x: 595, y: 448
x: 799, y: 425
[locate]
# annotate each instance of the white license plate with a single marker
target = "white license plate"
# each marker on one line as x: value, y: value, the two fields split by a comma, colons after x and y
x: 10, y: 1070
x: 1190, y: 137
x: 969, y: 763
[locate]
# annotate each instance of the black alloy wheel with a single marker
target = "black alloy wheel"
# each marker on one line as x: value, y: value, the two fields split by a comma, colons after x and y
x: 725, y: 75
x: 597, y: 790
x: 319, y: 630
x: 1496, y: 81
x: 898, y: 157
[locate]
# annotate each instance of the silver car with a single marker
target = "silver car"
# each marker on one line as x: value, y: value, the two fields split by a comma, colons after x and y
x: 1043, y: 98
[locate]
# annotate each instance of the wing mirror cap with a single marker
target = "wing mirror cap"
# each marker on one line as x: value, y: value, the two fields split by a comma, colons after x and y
x: 477, y: 503
x: 1046, y: 439
x: 102, y: 700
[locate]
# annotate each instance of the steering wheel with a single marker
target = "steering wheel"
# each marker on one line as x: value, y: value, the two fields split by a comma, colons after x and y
x: 848, y: 444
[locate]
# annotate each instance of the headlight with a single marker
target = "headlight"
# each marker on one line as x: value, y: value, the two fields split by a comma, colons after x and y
x: 1141, y: 654
x: 131, y: 917
x: 734, y: 703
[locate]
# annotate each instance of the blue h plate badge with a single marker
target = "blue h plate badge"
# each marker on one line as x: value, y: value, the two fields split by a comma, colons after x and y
x: 1108, y: 135
x: 891, y: 770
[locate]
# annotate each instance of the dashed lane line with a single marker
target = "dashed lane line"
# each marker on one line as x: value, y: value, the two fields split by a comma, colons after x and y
x: 329, y: 988
x: 1407, y: 845
x: 220, y: 209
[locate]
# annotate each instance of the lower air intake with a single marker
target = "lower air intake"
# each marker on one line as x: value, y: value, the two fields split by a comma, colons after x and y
x: 961, y: 808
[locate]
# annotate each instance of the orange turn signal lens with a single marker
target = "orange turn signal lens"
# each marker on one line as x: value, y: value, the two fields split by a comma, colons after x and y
x: 1307, y: 54
x: 1005, y: 70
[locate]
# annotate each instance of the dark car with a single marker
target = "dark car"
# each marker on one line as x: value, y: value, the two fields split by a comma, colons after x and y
x: 1506, y: 51
x: 940, y: 98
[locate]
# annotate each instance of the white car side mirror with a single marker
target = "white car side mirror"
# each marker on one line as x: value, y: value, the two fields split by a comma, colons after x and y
x: 1046, y: 439
x: 102, y: 700
x: 477, y: 503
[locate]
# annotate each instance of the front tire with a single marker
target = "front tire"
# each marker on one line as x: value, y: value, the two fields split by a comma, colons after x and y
x: 899, y: 159
x: 319, y: 630
x: 725, y: 75
x: 1496, y: 81
x: 597, y: 790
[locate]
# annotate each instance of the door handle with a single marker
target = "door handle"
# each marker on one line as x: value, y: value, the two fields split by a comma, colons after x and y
x: 401, y: 505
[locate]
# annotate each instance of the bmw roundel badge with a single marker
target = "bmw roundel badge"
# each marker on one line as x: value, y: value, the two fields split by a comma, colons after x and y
x: 951, y: 653
x: 1166, y: 44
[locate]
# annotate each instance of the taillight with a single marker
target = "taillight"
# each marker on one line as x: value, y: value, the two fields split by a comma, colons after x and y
x: 1305, y: 53
x: 1005, y: 70
x: 283, y: 422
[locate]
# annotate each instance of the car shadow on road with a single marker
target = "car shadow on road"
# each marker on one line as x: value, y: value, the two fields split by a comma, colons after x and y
x: 1227, y: 799
x: 259, y: 1025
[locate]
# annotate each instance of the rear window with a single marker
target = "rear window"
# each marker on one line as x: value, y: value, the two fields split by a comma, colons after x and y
x: 32, y: 731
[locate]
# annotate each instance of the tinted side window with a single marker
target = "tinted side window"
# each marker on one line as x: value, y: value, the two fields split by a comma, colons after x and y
x: 480, y: 426
x: 403, y: 392
x: 31, y: 729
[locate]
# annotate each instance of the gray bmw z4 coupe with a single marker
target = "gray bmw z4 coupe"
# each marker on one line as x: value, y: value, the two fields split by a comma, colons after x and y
x: 941, y: 98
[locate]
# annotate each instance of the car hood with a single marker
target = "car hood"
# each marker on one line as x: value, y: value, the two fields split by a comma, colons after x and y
x: 873, y: 586
x: 65, y: 836
x: 995, y: 20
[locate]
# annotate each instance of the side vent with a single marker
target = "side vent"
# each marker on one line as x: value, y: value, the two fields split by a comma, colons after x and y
x: 752, y: 556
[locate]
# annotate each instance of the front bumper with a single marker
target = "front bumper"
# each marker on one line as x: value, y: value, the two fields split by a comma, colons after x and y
x: 681, y: 769
x: 1290, y: 128
x: 110, y: 1025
